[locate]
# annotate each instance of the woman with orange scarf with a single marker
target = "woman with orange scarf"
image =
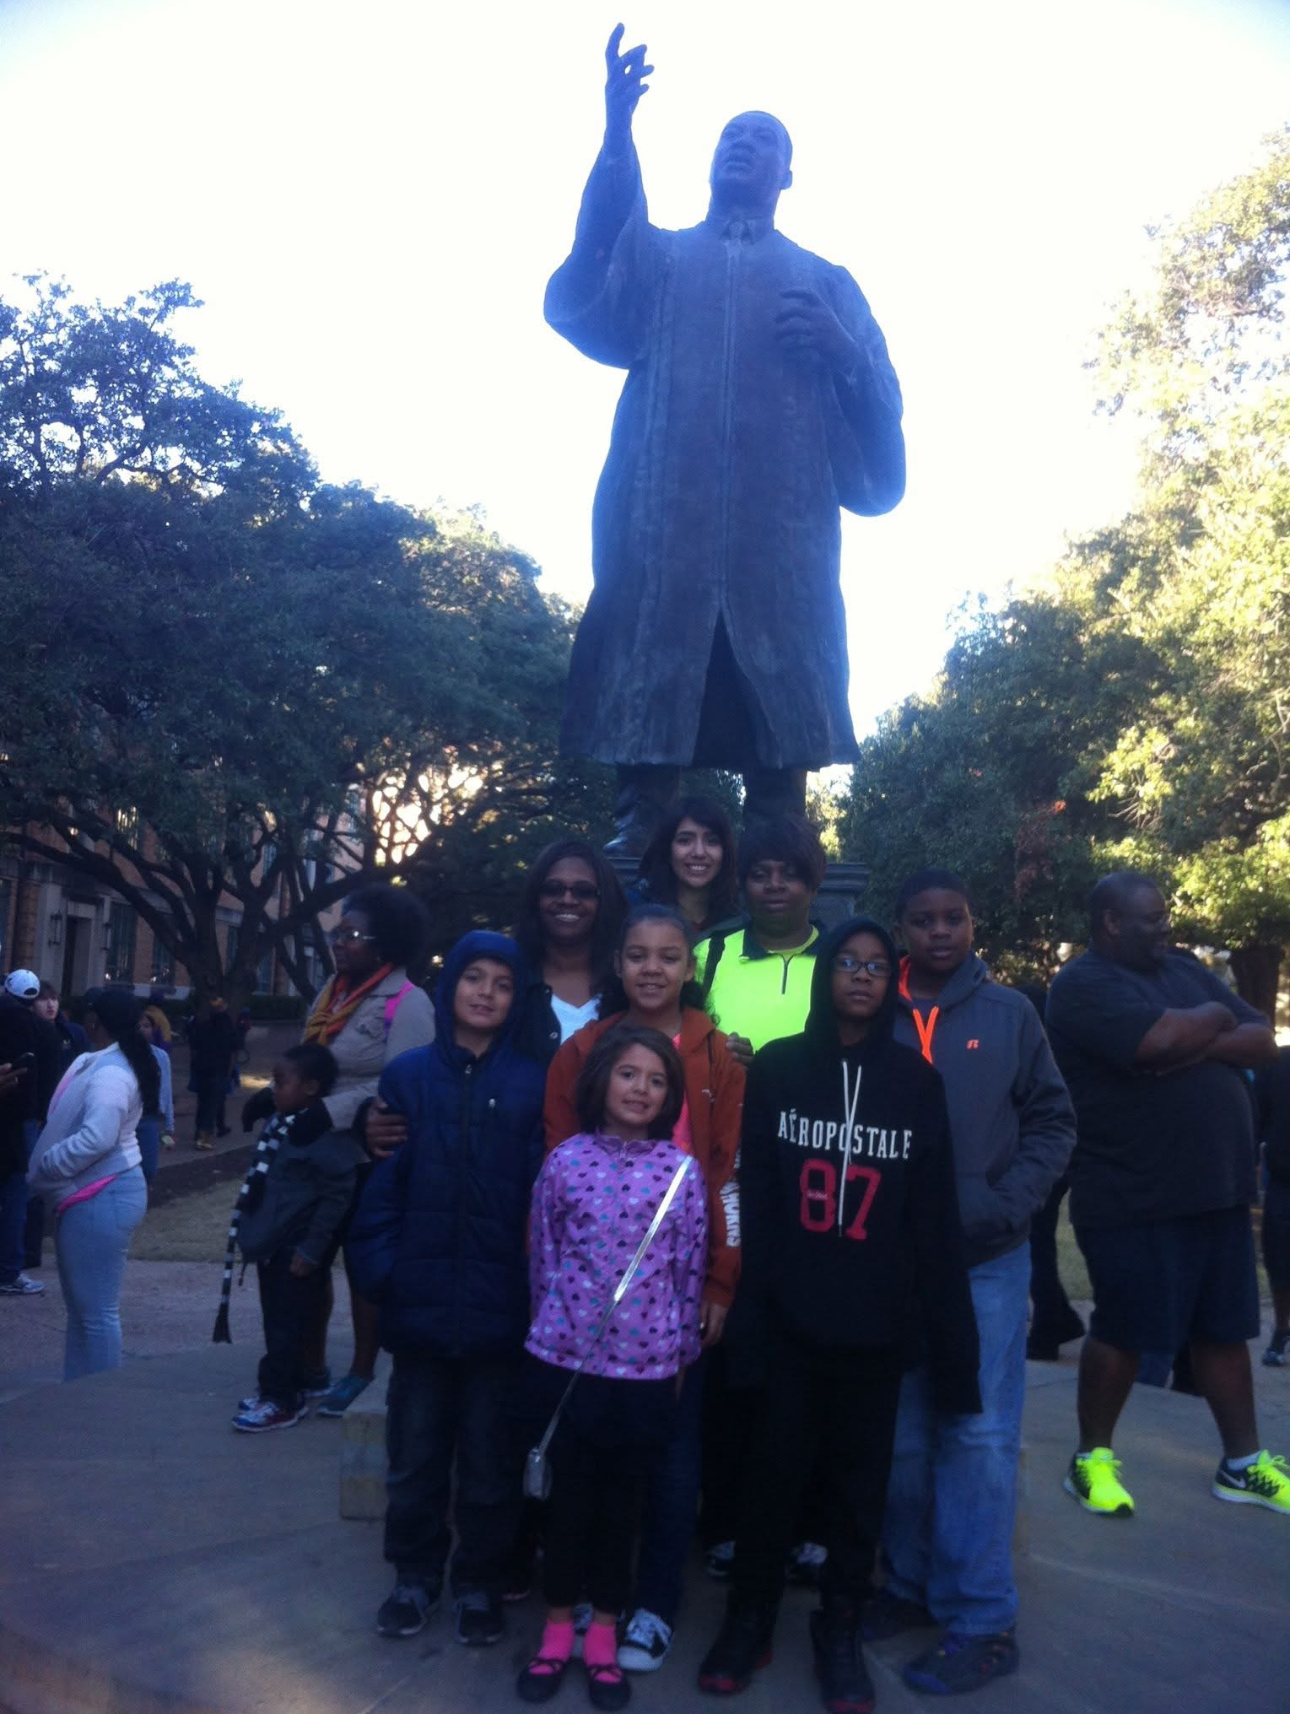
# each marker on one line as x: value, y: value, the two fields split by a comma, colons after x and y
x: 368, y: 1014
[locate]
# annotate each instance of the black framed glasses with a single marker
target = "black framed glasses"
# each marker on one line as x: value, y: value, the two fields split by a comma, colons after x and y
x: 846, y: 965
x: 348, y: 936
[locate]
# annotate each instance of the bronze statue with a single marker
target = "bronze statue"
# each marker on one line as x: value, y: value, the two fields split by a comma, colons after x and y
x: 759, y: 398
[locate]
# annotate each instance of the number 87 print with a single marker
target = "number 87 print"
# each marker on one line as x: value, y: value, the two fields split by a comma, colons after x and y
x: 819, y: 1204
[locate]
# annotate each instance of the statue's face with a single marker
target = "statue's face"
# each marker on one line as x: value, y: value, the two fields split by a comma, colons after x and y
x: 751, y: 164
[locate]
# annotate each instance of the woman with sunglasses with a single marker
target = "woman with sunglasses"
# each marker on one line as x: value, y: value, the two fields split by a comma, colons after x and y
x: 370, y: 1012
x: 570, y: 915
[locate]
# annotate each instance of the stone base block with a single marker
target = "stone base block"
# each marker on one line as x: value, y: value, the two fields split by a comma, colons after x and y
x: 362, y: 1452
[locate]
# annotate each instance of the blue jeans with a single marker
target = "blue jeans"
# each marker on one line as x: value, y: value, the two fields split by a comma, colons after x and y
x: 672, y: 1505
x: 13, y: 1221
x: 93, y: 1239
x: 952, y: 1496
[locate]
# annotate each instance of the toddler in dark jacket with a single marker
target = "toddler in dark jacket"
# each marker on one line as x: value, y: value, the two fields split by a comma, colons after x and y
x: 291, y: 1204
x: 438, y: 1243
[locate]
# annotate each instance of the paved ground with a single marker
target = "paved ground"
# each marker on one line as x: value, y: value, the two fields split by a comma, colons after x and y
x: 155, y: 1560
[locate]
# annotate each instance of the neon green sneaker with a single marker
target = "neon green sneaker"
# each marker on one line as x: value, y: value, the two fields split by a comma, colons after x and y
x: 1094, y: 1479
x: 1266, y: 1482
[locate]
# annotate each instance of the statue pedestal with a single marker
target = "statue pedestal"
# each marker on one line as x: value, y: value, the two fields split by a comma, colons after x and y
x: 842, y: 894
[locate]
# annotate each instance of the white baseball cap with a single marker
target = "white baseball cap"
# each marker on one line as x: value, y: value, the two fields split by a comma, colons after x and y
x: 23, y: 984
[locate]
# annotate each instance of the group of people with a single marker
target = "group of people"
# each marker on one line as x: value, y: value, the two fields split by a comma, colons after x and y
x: 679, y: 1210
x: 682, y: 1215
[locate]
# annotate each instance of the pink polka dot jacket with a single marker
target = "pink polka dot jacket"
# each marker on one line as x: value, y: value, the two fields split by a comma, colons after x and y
x: 592, y: 1205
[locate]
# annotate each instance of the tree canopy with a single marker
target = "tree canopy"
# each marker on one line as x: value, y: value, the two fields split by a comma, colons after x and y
x: 1134, y: 708
x: 223, y: 677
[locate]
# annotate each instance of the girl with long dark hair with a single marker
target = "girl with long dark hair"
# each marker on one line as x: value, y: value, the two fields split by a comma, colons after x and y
x: 690, y: 863
x: 86, y: 1165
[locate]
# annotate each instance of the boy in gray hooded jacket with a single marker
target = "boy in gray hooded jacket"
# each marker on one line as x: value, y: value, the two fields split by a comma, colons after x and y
x: 952, y: 1494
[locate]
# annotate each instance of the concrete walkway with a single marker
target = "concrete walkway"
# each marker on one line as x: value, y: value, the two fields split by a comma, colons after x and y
x: 154, y: 1560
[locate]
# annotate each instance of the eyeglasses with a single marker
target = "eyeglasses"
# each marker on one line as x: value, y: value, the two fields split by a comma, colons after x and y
x: 348, y: 937
x: 583, y: 891
x: 845, y: 965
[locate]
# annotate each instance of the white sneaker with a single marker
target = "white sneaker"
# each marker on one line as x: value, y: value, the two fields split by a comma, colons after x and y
x: 645, y: 1643
x: 21, y: 1287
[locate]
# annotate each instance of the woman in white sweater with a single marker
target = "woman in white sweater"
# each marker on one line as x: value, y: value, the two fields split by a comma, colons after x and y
x: 86, y: 1166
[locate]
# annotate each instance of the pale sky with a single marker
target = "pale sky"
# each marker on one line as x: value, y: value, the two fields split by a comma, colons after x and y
x: 370, y: 198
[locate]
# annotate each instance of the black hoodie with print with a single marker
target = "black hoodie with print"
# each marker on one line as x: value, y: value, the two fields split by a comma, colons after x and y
x: 851, y: 1230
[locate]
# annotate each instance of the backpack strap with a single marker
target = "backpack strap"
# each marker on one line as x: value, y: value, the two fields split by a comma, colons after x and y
x: 716, y: 947
x: 392, y: 1005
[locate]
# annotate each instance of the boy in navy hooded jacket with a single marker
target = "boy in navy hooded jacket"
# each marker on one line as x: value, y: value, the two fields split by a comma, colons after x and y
x: 438, y: 1242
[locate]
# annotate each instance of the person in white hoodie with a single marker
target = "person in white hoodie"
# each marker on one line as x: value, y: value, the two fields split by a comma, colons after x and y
x: 86, y: 1165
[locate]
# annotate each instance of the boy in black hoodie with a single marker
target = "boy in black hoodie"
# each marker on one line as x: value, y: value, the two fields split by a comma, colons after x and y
x: 853, y: 1269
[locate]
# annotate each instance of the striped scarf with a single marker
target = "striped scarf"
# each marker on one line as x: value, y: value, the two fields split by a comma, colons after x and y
x: 336, y: 1005
x: 278, y: 1127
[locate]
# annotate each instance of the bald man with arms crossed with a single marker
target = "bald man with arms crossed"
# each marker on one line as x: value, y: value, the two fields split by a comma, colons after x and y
x: 1155, y: 1050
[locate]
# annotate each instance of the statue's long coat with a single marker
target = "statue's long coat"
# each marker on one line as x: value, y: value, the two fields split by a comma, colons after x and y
x: 719, y: 500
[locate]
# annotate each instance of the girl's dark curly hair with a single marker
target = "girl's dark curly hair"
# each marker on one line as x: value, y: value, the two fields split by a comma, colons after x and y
x: 611, y: 908
x: 399, y: 921
x: 656, y: 874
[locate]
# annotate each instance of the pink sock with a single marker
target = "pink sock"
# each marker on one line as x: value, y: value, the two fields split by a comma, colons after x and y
x: 556, y: 1645
x: 600, y: 1646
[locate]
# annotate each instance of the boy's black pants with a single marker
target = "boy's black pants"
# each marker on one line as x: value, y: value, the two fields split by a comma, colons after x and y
x: 824, y: 1411
x: 287, y: 1306
x: 444, y: 1411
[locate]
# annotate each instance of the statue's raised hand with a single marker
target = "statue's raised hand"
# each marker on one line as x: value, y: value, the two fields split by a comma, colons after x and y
x: 624, y: 86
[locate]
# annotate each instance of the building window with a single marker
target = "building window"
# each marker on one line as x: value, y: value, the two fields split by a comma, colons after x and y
x: 128, y: 824
x: 162, y: 974
x: 120, y: 944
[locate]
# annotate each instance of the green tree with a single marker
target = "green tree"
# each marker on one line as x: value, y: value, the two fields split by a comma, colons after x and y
x: 1146, y: 688
x: 224, y: 679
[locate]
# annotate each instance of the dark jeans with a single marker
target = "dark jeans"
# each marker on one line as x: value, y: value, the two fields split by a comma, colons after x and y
x: 726, y: 1415
x: 443, y: 1412
x: 148, y: 1133
x: 33, y: 1242
x: 287, y: 1306
x: 1052, y: 1317
x: 590, y: 1523
x: 824, y: 1409
x: 13, y: 1221
x: 672, y: 1504
x: 212, y: 1088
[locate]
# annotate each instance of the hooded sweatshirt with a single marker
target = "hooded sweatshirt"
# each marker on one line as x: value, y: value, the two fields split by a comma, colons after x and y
x: 1011, y: 1116
x: 852, y: 1237
x: 438, y: 1240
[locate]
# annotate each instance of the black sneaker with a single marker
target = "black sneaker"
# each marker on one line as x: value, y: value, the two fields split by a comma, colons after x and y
x: 886, y: 1615
x: 406, y: 1609
x: 645, y: 1642
x: 742, y: 1646
x: 845, y: 1686
x: 480, y: 1619
x: 959, y: 1663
